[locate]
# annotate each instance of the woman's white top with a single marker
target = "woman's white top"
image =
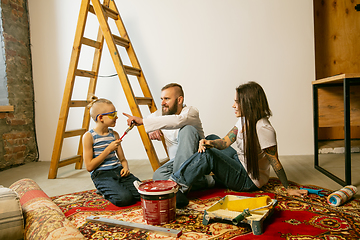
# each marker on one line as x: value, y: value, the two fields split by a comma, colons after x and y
x: 267, y: 138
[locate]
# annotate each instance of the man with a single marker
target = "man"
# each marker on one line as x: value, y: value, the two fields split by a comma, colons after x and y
x: 181, y: 127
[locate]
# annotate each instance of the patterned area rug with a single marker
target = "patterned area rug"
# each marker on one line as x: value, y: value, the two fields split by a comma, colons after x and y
x: 294, y: 218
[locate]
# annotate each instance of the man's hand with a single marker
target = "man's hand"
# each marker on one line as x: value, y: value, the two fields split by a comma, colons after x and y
x: 155, y: 135
x: 138, y: 121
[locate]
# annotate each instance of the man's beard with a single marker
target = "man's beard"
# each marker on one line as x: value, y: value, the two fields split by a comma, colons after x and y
x: 171, y: 110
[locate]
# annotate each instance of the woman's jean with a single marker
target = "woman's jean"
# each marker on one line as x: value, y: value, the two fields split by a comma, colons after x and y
x: 225, y: 165
x: 120, y: 191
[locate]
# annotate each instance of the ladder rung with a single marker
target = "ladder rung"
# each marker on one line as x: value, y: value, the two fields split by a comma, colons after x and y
x: 84, y: 73
x: 144, y: 100
x: 132, y: 71
x: 91, y: 9
x: 165, y: 160
x: 79, y: 103
x: 121, y: 41
x: 91, y: 43
x: 111, y: 13
x: 73, y: 133
x: 69, y: 160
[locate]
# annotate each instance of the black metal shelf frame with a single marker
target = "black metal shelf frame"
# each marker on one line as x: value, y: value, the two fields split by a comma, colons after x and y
x: 347, y: 82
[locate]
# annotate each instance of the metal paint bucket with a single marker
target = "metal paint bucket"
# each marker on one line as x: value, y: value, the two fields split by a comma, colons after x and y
x: 158, y: 201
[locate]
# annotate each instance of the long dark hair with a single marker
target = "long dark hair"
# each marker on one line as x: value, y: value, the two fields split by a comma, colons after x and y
x: 253, y: 107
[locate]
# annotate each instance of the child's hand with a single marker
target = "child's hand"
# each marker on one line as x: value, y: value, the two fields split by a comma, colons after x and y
x: 114, y: 145
x: 124, y: 172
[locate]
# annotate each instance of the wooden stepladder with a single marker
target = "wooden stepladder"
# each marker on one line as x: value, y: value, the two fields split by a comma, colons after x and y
x: 102, y: 11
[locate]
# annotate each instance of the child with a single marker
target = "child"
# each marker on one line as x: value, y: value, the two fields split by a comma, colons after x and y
x: 110, y: 173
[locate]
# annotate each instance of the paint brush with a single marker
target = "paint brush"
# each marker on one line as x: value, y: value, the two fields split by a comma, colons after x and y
x: 127, y: 130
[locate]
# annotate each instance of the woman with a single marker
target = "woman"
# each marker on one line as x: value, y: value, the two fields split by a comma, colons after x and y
x: 248, y: 168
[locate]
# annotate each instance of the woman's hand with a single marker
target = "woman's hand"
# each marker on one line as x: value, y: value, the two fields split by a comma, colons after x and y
x: 203, y: 144
x: 297, y: 192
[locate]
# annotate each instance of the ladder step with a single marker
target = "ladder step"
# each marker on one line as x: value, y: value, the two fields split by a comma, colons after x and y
x: 69, y: 160
x: 110, y: 13
x: 144, y: 100
x: 91, y: 43
x: 121, y: 41
x: 73, y: 133
x: 91, y: 9
x: 163, y: 161
x: 84, y: 73
x: 132, y: 71
x: 79, y: 103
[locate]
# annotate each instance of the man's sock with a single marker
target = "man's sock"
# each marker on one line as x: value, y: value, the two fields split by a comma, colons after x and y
x: 181, y: 200
x: 210, y: 181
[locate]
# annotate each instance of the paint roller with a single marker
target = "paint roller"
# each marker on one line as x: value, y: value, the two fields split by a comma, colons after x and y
x: 250, y: 202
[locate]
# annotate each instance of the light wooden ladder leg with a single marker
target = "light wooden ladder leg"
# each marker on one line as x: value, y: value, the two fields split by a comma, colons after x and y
x: 69, y: 85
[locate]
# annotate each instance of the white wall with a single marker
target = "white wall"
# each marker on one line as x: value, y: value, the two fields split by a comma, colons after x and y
x: 210, y: 47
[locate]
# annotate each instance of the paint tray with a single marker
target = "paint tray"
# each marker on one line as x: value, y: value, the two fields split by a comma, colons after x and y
x: 229, y: 208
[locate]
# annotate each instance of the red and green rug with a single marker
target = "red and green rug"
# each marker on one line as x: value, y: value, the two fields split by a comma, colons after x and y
x: 294, y: 218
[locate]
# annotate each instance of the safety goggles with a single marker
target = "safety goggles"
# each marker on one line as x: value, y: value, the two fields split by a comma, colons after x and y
x: 111, y: 115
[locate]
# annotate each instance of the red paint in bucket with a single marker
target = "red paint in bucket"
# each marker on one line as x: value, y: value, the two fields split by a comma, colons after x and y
x: 158, y: 201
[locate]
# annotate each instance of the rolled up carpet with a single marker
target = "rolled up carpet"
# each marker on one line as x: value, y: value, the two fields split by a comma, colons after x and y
x: 43, y: 218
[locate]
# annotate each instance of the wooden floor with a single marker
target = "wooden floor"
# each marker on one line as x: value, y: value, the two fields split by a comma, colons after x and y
x: 299, y: 169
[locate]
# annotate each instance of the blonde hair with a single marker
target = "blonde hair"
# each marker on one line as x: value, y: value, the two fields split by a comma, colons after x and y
x: 95, y: 106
